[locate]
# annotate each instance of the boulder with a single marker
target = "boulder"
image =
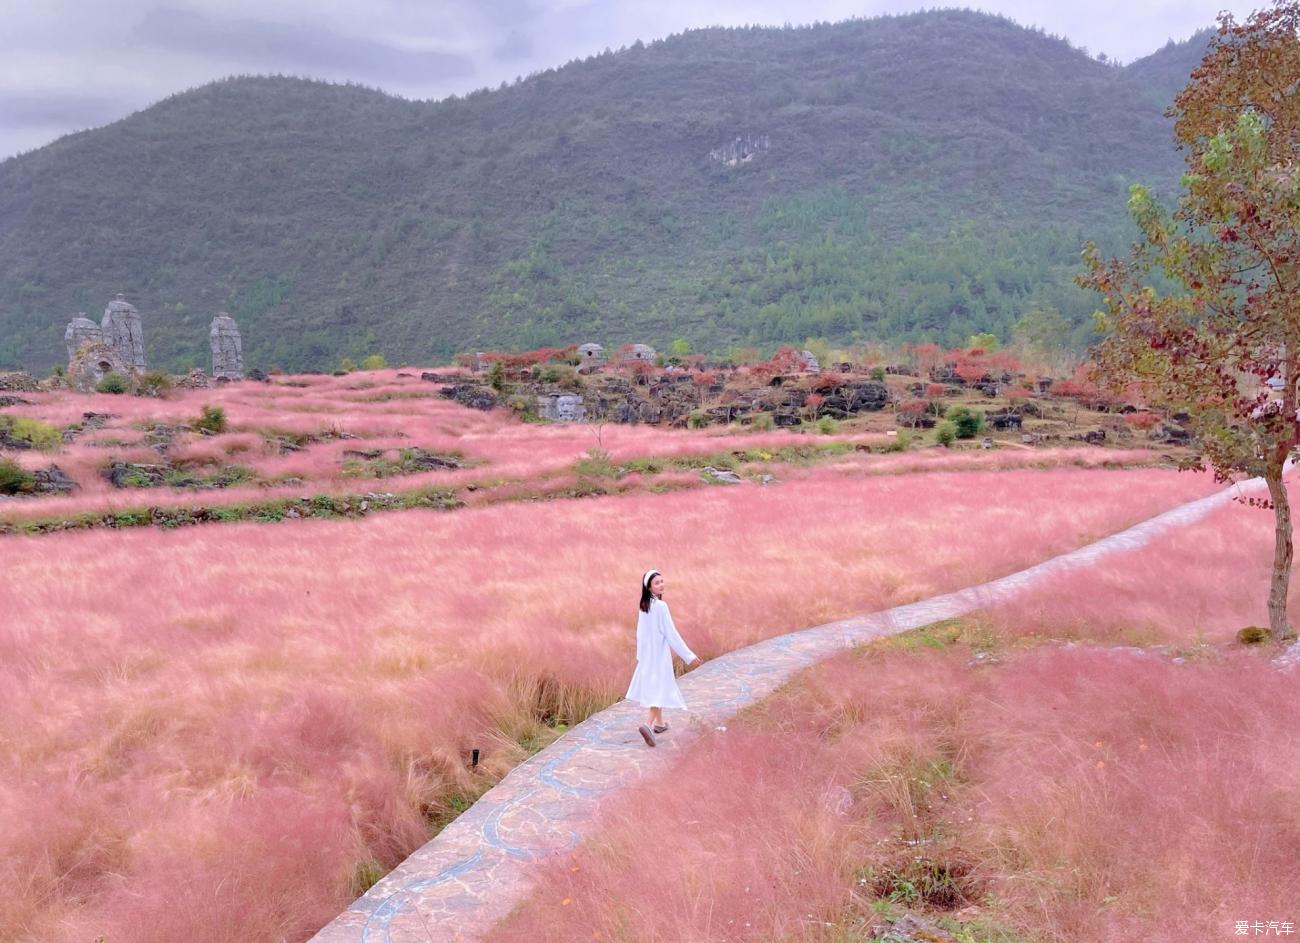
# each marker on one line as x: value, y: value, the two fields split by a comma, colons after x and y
x: 196, y: 379
x: 53, y: 480
x: 19, y: 382
x: 429, y: 377
x: 1005, y: 419
x: 722, y: 475
x: 851, y: 398
x: 471, y: 395
x: 1171, y: 433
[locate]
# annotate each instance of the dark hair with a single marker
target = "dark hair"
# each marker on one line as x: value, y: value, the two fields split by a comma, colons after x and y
x: 646, y: 595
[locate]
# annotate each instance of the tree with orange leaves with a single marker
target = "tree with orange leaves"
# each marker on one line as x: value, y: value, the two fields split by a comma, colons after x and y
x: 1215, y: 348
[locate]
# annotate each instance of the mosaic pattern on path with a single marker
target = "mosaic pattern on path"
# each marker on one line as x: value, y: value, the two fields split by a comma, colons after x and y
x: 467, y: 878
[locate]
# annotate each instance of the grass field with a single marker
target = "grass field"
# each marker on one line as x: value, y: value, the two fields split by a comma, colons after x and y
x: 1097, y: 761
x: 225, y: 733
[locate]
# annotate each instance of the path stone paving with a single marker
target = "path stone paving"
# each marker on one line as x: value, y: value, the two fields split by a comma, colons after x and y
x: 480, y: 866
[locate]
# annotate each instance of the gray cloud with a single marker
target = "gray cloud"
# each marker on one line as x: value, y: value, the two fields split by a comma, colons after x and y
x: 516, y: 46
x: 58, y: 110
x: 296, y: 47
x: 69, y: 64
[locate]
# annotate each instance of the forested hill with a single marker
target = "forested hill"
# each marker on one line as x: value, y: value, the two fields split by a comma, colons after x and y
x: 921, y: 176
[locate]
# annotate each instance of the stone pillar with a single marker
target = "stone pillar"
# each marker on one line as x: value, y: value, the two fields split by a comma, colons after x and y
x: 81, y: 331
x: 227, y: 348
x: 124, y: 332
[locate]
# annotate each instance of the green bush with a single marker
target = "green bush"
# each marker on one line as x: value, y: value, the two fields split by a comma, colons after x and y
x: 878, y: 374
x: 968, y: 421
x: 41, y: 435
x: 945, y: 433
x: 827, y: 426
x: 155, y: 383
x: 900, y: 442
x: 697, y: 419
x: 597, y: 464
x: 763, y: 422
x: 14, y: 479
x: 113, y: 382
x: 347, y: 364
x: 212, y: 420
x: 496, y: 376
x: 374, y: 362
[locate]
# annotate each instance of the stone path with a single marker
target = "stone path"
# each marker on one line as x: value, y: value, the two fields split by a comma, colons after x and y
x: 462, y: 882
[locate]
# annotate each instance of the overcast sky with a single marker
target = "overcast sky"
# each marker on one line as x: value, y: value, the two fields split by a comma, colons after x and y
x: 72, y: 64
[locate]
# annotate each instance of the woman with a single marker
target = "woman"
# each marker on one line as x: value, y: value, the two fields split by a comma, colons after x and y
x: 653, y: 684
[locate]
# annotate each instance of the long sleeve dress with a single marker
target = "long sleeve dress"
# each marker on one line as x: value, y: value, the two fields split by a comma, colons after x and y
x: 653, y: 683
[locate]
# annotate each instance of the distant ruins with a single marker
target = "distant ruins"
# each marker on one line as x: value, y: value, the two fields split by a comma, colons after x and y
x: 124, y: 333
x: 116, y: 345
x: 741, y: 150
x: 227, y: 348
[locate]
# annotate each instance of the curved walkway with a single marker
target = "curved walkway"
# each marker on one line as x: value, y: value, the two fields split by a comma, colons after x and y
x: 480, y: 866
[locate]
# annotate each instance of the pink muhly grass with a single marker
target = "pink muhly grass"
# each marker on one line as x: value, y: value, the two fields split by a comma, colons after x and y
x: 355, y: 663
x: 1202, y: 582
x: 1095, y: 794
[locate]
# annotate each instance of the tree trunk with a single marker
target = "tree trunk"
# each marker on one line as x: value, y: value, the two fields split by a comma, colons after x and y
x: 1282, y: 554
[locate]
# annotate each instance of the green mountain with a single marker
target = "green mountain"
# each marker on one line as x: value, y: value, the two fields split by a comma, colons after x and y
x: 921, y: 176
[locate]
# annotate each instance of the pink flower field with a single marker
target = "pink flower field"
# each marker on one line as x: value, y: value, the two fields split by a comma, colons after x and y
x: 226, y: 732
x: 1011, y: 786
x: 1057, y: 795
x: 385, y: 410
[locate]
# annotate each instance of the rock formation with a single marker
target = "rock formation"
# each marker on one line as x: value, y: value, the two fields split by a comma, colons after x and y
x: 227, y: 348
x: 81, y: 331
x: 124, y: 333
x: 91, y: 363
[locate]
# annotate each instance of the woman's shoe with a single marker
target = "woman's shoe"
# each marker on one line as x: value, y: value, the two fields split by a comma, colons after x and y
x: 647, y: 735
x: 660, y: 728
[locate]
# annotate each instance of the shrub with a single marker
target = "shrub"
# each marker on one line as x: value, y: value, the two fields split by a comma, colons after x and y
x: 374, y: 362
x: 878, y: 374
x: 968, y: 421
x: 212, y: 420
x: 1252, y: 635
x: 827, y: 426
x: 1141, y: 421
x: 113, y: 382
x: 347, y: 364
x: 763, y: 422
x: 496, y: 376
x: 41, y: 435
x: 697, y: 419
x: 945, y: 432
x: 155, y: 383
x: 14, y: 479
x: 596, y: 465
x: 900, y: 442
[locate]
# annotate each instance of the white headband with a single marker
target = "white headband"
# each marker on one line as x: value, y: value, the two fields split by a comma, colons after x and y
x: 649, y: 575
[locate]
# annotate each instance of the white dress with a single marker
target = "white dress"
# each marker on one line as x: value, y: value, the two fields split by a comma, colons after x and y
x: 653, y: 683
